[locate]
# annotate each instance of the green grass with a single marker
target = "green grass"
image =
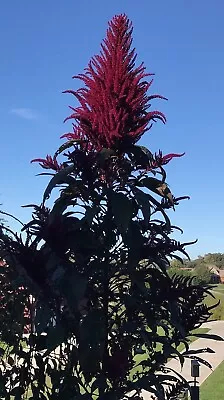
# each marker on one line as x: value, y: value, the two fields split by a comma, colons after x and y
x: 218, y: 312
x: 219, y: 288
x: 213, y: 387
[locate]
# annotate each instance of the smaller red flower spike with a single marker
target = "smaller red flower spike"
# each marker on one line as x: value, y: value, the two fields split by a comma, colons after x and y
x: 78, y: 135
x: 168, y: 157
x: 114, y: 104
x: 163, y: 160
x: 48, y: 163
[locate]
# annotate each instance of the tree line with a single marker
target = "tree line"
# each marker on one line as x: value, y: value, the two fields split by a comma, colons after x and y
x: 202, y: 268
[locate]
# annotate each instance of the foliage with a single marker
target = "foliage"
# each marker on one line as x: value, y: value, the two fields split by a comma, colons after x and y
x: 176, y: 264
x: 202, y: 275
x: 214, y: 258
x: 210, y: 259
x: 96, y: 261
x: 199, y: 269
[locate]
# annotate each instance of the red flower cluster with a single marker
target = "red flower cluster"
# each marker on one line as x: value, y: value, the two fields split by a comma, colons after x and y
x: 163, y: 160
x: 80, y: 137
x: 49, y: 163
x: 114, y: 104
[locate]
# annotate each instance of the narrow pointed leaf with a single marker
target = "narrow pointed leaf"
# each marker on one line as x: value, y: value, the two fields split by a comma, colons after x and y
x: 122, y: 209
x: 58, y: 178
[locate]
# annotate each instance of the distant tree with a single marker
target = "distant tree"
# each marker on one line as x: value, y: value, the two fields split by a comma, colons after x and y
x: 174, y: 264
x: 200, y: 271
x: 193, y: 263
x: 202, y: 274
x: 214, y: 258
x: 178, y: 264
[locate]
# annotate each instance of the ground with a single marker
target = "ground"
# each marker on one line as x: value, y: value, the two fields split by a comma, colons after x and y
x: 213, y: 387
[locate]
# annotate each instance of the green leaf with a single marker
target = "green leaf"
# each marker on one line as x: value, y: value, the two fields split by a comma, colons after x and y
x: 198, y: 351
x: 11, y: 361
x: 61, y: 204
x: 200, y: 360
x: 90, y: 213
x: 92, y: 327
x: 42, y: 318
x: 143, y: 200
x: 158, y: 187
x: 105, y: 154
x: 17, y: 392
x: 40, y: 362
x: 85, y: 396
x: 73, y: 286
x: 122, y: 209
x: 134, y: 238
x: 59, y: 178
x: 208, y: 336
x: 2, y: 351
x: 140, y: 154
x: 99, y: 382
x: 67, y: 145
x: 170, y: 351
x: 55, y: 337
x: 92, y: 341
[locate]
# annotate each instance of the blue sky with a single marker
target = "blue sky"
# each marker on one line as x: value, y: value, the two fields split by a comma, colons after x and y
x: 43, y: 44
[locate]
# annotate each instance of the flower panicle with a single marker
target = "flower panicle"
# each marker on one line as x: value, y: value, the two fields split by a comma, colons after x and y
x: 113, y: 104
x: 48, y: 163
x: 77, y: 135
x: 161, y: 160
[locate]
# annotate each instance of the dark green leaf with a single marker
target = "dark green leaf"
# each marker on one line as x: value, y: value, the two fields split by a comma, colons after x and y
x: 99, y: 382
x: 60, y: 205
x: 92, y: 328
x: 122, y: 209
x: 140, y: 154
x: 59, y: 178
x: 143, y: 200
x: 42, y: 318
x: 17, y: 391
x: 201, y: 361
x: 90, y: 213
x: 84, y: 396
x: 67, y: 145
x: 55, y: 337
x: 72, y: 285
x: 198, y: 351
x: 91, y: 347
x: 208, y: 336
x: 2, y: 351
x: 40, y: 363
x: 158, y: 187
x: 134, y: 238
x: 11, y: 361
x: 105, y: 154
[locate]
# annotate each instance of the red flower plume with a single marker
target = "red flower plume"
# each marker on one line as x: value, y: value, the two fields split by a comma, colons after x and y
x: 163, y: 160
x: 48, y: 163
x: 114, y: 105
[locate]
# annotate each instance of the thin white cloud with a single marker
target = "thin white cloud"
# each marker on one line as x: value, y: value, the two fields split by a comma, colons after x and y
x: 25, y: 113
